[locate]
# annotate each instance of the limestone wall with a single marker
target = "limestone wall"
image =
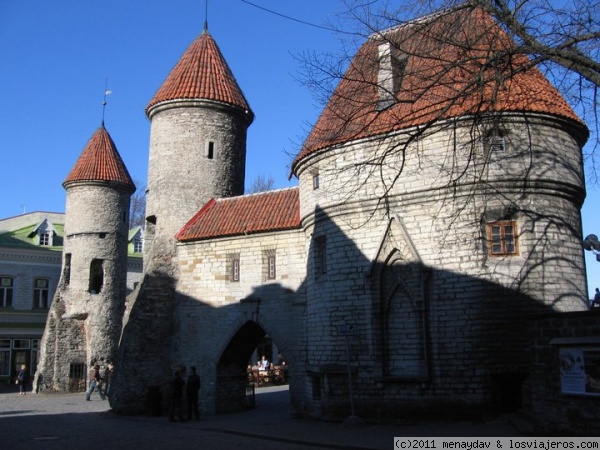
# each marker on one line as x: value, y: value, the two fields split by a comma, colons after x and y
x: 211, y: 307
x: 179, y: 159
x: 557, y: 409
x: 466, y: 309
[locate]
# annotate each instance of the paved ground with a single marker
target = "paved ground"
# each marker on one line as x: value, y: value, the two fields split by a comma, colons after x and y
x: 67, y: 421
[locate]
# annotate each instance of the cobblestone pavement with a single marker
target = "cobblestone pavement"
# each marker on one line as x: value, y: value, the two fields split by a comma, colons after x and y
x: 67, y: 421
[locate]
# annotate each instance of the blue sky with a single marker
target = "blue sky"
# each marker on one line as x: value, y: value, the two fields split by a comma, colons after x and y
x: 56, y: 57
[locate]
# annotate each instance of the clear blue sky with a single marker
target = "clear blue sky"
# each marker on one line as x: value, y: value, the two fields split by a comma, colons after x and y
x: 55, y: 57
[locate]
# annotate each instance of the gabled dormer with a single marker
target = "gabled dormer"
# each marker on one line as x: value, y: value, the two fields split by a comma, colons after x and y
x: 135, y: 242
x: 44, y: 234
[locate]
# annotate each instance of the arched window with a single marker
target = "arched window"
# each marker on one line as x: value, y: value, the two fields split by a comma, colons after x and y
x: 404, y: 353
x: 96, y: 276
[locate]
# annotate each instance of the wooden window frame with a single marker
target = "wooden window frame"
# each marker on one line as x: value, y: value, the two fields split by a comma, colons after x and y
x: 501, y: 241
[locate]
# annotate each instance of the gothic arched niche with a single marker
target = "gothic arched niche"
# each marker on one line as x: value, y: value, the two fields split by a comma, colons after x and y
x: 402, y: 307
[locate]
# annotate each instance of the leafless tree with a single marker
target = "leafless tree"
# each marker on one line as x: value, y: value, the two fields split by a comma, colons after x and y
x: 261, y: 183
x: 137, y: 206
x: 561, y: 39
x: 456, y: 69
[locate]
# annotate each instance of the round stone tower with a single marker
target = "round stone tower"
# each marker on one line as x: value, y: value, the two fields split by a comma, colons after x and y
x: 86, y: 316
x: 93, y: 284
x: 199, y: 119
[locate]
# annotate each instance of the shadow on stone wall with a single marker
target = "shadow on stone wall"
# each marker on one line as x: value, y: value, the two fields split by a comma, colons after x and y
x: 418, y: 341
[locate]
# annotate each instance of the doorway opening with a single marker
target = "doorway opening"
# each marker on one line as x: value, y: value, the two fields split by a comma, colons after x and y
x: 238, y: 374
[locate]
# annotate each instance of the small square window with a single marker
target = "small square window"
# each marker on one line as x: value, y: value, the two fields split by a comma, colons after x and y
x: 21, y: 344
x: 138, y: 246
x: 494, y: 141
x: 502, y: 238
x: 45, y: 239
x: 496, y: 144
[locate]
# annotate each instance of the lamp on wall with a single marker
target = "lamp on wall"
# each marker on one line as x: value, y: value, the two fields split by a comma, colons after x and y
x: 592, y: 244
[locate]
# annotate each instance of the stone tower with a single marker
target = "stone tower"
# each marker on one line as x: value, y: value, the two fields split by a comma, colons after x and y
x: 199, y: 118
x: 86, y: 315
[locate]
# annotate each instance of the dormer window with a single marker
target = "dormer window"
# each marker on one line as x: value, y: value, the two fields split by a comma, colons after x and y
x: 138, y: 245
x: 44, y: 233
x: 46, y: 239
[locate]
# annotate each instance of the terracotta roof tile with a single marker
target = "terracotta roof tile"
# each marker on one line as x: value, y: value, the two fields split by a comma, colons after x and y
x: 267, y: 211
x: 201, y: 73
x: 434, y: 86
x: 100, y: 161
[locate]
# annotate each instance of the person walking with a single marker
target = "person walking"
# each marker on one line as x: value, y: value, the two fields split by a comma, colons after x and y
x: 109, y: 373
x: 94, y: 383
x: 192, y: 388
x: 23, y: 379
x: 177, y: 385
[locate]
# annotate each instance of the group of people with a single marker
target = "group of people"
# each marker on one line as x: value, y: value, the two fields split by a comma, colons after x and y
x: 100, y: 382
x: 192, y: 388
x: 266, y: 372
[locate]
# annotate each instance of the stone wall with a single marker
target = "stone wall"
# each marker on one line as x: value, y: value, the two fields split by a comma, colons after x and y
x: 556, y: 412
x: 469, y: 345
x: 211, y: 308
x: 178, y: 159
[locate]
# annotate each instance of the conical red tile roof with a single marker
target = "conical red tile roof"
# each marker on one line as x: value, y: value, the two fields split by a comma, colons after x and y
x: 201, y: 74
x: 100, y: 161
x: 434, y: 87
x: 256, y: 213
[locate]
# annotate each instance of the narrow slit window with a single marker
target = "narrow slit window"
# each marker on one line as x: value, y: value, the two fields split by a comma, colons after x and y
x: 67, y: 270
x: 235, y: 269
x: 210, y: 150
x: 320, y: 255
x: 271, y: 267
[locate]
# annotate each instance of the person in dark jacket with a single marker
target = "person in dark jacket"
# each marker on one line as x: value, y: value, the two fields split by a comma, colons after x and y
x: 23, y: 379
x: 192, y: 388
x: 177, y: 385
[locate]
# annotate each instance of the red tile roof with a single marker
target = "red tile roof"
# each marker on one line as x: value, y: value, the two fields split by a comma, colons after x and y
x: 201, y: 74
x: 434, y: 87
x: 100, y: 161
x: 267, y: 211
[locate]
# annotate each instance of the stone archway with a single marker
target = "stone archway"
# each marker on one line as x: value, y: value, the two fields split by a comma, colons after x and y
x: 232, y: 376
